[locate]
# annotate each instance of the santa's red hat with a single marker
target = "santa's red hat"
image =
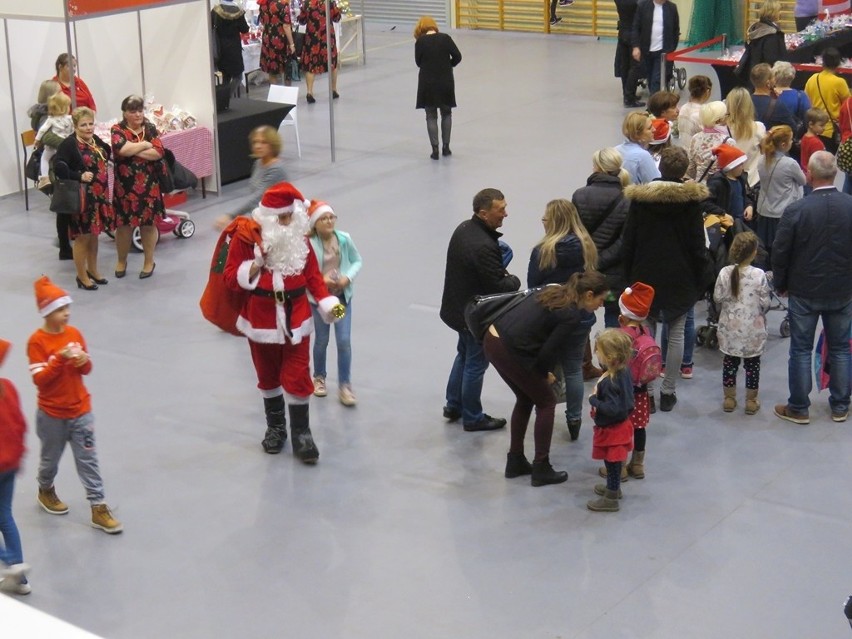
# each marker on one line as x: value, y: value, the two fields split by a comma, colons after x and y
x: 5, y: 345
x: 635, y: 302
x: 49, y: 296
x: 280, y: 199
x: 316, y: 210
x: 662, y: 131
x: 728, y: 157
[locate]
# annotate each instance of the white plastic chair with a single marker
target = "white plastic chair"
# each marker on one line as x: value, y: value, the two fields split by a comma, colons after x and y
x: 287, y: 95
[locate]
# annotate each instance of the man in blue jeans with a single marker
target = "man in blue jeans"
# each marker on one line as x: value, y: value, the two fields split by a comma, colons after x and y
x: 812, y: 265
x: 474, y: 267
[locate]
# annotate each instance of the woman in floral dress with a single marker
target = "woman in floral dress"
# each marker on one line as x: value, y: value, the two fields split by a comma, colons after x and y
x: 277, y: 44
x: 136, y: 198
x: 84, y: 157
x: 314, y: 51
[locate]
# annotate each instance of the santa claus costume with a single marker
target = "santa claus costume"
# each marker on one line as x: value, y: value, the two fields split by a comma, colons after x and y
x: 273, y: 260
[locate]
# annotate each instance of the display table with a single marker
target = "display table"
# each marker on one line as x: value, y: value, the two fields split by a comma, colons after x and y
x: 351, y: 40
x: 235, y: 125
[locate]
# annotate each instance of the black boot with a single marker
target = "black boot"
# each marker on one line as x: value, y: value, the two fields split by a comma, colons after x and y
x: 543, y: 474
x: 517, y: 465
x: 276, y: 424
x: 446, y: 150
x: 303, y: 441
x: 434, y: 155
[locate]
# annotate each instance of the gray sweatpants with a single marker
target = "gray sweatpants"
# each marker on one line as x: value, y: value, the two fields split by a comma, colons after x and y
x: 80, y: 432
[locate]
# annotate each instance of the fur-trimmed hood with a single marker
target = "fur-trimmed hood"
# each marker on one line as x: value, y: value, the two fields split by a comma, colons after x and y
x: 665, y: 192
x: 228, y: 11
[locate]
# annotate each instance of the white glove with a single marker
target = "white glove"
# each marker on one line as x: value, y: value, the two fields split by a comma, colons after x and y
x: 259, y: 259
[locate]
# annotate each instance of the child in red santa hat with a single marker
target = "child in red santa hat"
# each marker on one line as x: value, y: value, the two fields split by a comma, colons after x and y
x: 273, y: 259
x: 58, y: 361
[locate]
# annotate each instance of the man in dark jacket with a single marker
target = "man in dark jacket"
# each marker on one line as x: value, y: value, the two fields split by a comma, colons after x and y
x: 626, y: 67
x: 663, y: 246
x: 474, y: 267
x: 656, y: 31
x: 812, y: 264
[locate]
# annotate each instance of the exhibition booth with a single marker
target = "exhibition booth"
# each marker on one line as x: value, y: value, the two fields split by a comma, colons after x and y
x: 157, y: 48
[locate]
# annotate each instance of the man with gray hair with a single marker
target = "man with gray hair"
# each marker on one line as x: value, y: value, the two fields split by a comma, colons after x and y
x: 812, y: 264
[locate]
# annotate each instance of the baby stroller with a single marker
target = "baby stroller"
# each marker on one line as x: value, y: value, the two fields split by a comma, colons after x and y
x: 720, y: 237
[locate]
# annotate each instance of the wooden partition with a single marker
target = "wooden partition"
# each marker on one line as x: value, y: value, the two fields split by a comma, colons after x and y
x: 584, y: 17
x: 787, y: 21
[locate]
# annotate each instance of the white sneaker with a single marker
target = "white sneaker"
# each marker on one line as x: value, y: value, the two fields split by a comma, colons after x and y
x: 13, y: 579
x: 319, y: 387
x: 9, y: 585
x: 346, y: 396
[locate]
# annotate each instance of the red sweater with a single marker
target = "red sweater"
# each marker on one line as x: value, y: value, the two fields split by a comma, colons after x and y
x: 810, y: 145
x: 13, y: 426
x: 61, y: 392
x: 84, y: 96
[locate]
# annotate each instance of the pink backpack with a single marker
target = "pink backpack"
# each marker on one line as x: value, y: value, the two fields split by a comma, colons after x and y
x: 647, y: 361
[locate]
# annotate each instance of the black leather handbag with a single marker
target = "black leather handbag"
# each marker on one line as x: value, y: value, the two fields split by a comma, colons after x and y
x: 69, y: 197
x: 483, y: 310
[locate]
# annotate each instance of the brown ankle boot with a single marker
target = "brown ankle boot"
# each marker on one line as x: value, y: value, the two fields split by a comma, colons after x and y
x: 590, y: 371
x: 624, y: 475
x: 730, y: 401
x: 636, y: 466
x: 752, y: 405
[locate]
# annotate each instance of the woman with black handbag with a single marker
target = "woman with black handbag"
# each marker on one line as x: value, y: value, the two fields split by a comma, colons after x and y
x: 524, y: 344
x: 83, y: 157
x: 137, y: 198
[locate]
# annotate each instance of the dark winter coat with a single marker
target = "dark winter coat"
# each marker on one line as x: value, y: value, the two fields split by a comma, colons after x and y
x: 436, y: 54
x: 539, y: 337
x: 663, y: 243
x: 229, y: 21
x: 766, y: 43
x: 810, y: 255
x: 474, y: 267
x: 603, y: 210
x: 719, y: 202
x: 569, y: 260
x: 643, y: 21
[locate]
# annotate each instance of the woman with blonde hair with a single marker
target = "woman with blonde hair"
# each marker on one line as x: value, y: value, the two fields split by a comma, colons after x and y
x: 764, y: 38
x: 744, y: 130
x: 714, y: 131
x: 603, y: 210
x: 637, y: 161
x: 565, y: 249
x: 436, y: 55
x: 781, y: 181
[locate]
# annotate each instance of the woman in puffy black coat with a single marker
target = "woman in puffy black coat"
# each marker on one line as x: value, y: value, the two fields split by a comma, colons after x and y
x: 764, y: 38
x: 603, y: 211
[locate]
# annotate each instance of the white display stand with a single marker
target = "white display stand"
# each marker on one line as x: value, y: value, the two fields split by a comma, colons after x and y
x: 351, y: 40
x: 119, y: 52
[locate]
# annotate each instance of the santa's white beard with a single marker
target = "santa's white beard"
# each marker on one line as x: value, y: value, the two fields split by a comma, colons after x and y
x: 285, y: 246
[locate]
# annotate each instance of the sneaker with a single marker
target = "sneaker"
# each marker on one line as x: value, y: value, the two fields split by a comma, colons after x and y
x: 9, y: 585
x: 667, y: 401
x: 452, y: 414
x: 486, y: 423
x: 635, y: 103
x: 839, y: 417
x: 319, y: 387
x: 102, y: 518
x: 686, y: 372
x: 13, y: 578
x: 555, y: 20
x: 48, y: 500
x: 784, y: 412
x: 346, y: 396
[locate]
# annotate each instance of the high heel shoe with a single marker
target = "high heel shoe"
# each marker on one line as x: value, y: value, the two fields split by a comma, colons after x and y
x: 144, y: 275
x: 96, y: 280
x: 90, y: 287
x: 122, y: 273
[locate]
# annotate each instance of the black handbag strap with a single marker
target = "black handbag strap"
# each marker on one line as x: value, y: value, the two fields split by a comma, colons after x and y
x: 834, y: 122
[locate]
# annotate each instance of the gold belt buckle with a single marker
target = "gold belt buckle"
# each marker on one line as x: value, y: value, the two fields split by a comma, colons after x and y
x: 279, y: 297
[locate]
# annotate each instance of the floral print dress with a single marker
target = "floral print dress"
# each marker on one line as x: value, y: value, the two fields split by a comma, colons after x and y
x: 742, y: 319
x: 136, y: 197
x: 98, y: 216
x: 314, y: 51
x: 274, y: 16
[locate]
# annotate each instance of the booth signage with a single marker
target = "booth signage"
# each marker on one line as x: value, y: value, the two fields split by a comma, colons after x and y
x: 89, y: 7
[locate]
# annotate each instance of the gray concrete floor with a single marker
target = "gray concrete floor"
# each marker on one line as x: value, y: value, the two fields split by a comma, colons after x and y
x: 407, y: 528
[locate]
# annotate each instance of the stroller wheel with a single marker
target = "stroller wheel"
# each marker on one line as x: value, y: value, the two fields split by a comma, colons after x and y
x: 784, y: 329
x: 681, y: 78
x: 712, y: 340
x: 701, y: 335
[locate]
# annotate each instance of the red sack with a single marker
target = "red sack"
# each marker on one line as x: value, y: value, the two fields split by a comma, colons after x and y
x: 221, y: 305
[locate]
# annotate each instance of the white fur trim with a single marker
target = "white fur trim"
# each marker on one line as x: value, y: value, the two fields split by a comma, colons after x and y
x: 274, y: 335
x: 732, y: 165
x: 271, y: 392
x: 243, y: 276
x: 628, y: 313
x: 295, y: 400
x: 325, y: 208
x: 325, y: 305
x: 59, y: 302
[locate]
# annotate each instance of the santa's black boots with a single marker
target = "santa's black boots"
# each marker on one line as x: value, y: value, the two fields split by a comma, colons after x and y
x: 276, y: 425
x: 303, y: 441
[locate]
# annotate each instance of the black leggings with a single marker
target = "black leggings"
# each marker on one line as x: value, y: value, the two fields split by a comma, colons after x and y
x: 731, y: 364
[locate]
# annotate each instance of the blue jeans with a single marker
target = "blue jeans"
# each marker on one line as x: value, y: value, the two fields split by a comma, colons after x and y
x: 688, y: 339
x: 572, y: 370
x: 12, y: 552
x: 836, y: 318
x: 464, y: 388
x: 342, y: 337
x: 674, y: 356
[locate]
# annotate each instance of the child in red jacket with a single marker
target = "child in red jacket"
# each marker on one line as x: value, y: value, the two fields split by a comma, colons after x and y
x: 12, y: 430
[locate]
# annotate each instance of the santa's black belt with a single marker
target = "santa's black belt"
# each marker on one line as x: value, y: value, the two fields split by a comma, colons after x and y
x: 280, y: 296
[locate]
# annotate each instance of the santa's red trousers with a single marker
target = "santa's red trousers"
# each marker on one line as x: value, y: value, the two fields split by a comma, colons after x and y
x: 286, y: 365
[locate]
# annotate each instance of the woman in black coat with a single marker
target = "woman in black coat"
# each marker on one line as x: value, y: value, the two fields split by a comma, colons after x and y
x: 603, y: 211
x: 229, y: 21
x: 764, y: 38
x: 436, y: 54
